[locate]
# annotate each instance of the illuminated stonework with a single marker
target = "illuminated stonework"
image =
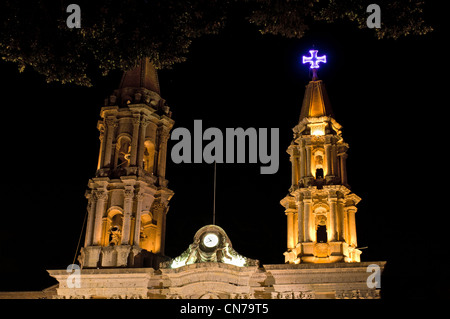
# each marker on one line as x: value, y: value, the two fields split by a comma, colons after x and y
x: 205, y: 249
x: 320, y: 207
x: 128, y: 200
x: 128, y: 197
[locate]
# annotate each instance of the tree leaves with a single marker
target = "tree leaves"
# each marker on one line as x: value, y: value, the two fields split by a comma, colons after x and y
x: 117, y: 34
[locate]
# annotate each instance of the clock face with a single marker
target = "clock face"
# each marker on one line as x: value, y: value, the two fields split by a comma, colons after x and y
x: 210, y: 240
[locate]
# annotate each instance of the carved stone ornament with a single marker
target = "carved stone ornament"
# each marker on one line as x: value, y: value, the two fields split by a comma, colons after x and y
x: 210, y: 244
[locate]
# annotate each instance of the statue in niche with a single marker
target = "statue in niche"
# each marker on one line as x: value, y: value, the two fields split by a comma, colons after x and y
x: 115, y: 235
x: 319, y: 168
x: 125, y: 155
x: 321, y: 220
x: 319, y: 160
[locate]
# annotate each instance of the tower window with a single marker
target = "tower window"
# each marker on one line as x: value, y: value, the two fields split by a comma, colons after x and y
x: 321, y: 229
x: 319, y: 172
x: 149, y: 153
x: 322, y: 234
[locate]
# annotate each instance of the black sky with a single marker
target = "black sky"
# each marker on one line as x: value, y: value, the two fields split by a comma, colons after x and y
x: 390, y: 96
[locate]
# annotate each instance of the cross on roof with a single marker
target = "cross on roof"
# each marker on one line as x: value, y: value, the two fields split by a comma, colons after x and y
x: 314, y: 59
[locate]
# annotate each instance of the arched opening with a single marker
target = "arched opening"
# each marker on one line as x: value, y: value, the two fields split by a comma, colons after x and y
x: 124, y: 152
x: 114, y: 226
x: 319, y: 173
x: 321, y: 229
x: 149, y: 154
x: 148, y: 232
x: 318, y: 164
x: 321, y: 234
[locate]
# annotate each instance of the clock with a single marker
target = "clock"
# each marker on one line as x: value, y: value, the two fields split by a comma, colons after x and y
x: 210, y: 240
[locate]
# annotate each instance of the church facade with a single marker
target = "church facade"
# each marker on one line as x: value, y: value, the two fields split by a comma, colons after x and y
x: 128, y: 199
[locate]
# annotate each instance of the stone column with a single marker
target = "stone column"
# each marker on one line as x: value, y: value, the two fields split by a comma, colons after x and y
x: 295, y: 227
x: 101, y: 153
x: 90, y: 220
x: 290, y: 228
x: 301, y: 228
x: 291, y: 158
x: 163, y: 232
x: 328, y: 162
x: 137, y: 225
x: 308, y: 160
x: 346, y: 228
x: 164, y: 137
x: 352, y: 225
x: 334, y: 162
x: 102, y: 195
x: 343, y: 168
x: 110, y: 125
x: 296, y: 167
x: 140, y: 155
x: 134, y: 139
x: 160, y: 215
x: 340, y: 222
x: 302, y: 161
x: 127, y: 210
x: 332, y: 202
x: 308, y: 219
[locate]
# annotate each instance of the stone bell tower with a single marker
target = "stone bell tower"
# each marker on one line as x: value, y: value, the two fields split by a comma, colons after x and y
x: 320, y: 207
x: 128, y: 197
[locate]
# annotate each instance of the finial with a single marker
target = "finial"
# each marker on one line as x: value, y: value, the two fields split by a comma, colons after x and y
x: 314, y: 61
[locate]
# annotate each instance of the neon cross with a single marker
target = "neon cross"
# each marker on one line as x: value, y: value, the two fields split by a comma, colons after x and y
x: 314, y: 59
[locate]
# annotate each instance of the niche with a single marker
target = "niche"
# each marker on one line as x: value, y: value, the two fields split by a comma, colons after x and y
x: 148, y: 232
x: 149, y: 156
x: 124, y: 149
x: 321, y: 229
x: 114, y: 227
x: 318, y: 164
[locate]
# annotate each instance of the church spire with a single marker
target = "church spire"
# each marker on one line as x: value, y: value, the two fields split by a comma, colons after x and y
x: 315, y: 101
x: 144, y: 75
x: 320, y: 207
x: 128, y: 198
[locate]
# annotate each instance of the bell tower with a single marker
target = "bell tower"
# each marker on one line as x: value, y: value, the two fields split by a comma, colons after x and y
x: 320, y: 207
x: 128, y: 197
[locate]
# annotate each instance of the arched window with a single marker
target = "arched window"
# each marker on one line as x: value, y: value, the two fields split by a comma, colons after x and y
x: 319, y: 173
x: 148, y: 232
x: 124, y: 149
x: 321, y: 229
x: 318, y: 164
x: 114, y: 227
x: 149, y: 154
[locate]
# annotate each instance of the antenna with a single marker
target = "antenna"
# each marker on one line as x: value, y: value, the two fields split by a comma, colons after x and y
x: 214, y: 201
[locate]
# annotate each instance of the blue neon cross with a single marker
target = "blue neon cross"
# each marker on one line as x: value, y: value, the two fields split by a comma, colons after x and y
x: 314, y: 59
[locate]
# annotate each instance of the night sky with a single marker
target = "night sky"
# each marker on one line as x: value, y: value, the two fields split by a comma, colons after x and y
x: 390, y: 96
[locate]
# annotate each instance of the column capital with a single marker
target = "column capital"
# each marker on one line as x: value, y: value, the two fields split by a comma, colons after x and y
x: 351, y: 209
x: 111, y: 122
x: 144, y: 121
x: 101, y: 194
x: 129, y: 192
x: 332, y: 195
x: 290, y: 211
x: 139, y: 196
x: 136, y: 119
x: 164, y: 134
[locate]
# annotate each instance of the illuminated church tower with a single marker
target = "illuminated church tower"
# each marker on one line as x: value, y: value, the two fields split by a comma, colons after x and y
x: 123, y: 255
x: 320, y: 207
x: 128, y: 197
